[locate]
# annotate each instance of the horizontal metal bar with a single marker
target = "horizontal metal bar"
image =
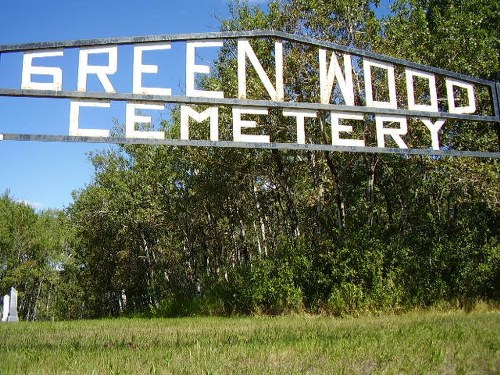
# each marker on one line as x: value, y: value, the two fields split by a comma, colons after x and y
x: 230, y: 144
x: 84, y: 95
x: 233, y: 35
x: 78, y: 43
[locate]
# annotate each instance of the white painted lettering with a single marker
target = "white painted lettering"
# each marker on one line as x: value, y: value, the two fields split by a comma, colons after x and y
x: 394, y: 133
x: 300, y: 116
x: 140, y: 69
x: 433, y: 106
x: 212, y: 113
x: 452, y: 108
x: 391, y: 84
x: 102, y: 71
x: 327, y: 77
x: 192, y: 69
x: 238, y: 124
x: 132, y: 119
x: 337, y: 128
x: 74, y: 119
x: 245, y: 50
x: 29, y: 70
x: 434, y: 129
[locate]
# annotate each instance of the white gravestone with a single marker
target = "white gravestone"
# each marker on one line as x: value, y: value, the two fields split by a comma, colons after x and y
x: 6, y: 307
x: 13, y: 306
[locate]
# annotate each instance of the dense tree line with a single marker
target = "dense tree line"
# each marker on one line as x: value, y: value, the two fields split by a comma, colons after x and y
x: 184, y: 230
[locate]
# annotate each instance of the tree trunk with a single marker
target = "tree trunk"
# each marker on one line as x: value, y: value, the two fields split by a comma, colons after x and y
x: 371, y: 161
x: 261, y: 221
x: 337, y: 191
x: 339, y: 199
x: 285, y: 185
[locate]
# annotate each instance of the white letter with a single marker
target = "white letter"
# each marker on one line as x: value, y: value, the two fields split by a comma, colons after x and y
x: 391, y: 82
x: 139, y: 69
x: 192, y: 69
x: 395, y: 133
x: 326, y: 78
x: 433, y: 107
x: 238, y: 124
x: 434, y: 129
x: 337, y: 128
x: 212, y: 113
x: 300, y: 115
x: 471, y: 107
x: 245, y: 49
x: 133, y: 119
x: 74, y: 119
x: 29, y: 70
x: 102, y: 71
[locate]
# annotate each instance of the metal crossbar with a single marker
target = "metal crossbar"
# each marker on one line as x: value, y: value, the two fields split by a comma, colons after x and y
x: 230, y: 144
x: 105, y: 96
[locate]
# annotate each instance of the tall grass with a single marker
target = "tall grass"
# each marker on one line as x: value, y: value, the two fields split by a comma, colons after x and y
x: 415, y: 343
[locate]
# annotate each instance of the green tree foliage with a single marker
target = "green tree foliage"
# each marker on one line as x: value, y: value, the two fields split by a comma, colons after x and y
x: 33, y: 247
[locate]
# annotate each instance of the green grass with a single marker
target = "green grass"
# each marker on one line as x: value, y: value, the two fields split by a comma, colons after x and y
x: 414, y: 343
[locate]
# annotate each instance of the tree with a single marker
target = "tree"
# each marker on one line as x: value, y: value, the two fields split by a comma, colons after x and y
x: 32, y: 247
x: 190, y: 230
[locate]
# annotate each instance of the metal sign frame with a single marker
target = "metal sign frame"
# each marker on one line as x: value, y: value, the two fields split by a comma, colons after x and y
x: 493, y: 88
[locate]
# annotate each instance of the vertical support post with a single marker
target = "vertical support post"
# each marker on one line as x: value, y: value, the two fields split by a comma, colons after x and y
x: 495, y: 96
x: 496, y: 106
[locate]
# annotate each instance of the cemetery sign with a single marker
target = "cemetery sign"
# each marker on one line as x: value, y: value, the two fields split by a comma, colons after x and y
x: 391, y: 91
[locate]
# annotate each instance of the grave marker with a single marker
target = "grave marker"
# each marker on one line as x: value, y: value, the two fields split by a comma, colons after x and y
x: 6, y: 307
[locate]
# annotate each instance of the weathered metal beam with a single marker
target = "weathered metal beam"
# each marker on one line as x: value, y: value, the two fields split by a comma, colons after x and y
x: 78, y: 43
x: 230, y: 144
x: 97, y: 96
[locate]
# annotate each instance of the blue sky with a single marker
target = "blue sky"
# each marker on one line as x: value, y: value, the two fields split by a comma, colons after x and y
x: 45, y: 174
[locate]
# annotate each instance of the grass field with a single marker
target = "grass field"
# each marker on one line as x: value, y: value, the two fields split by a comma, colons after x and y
x: 414, y: 343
